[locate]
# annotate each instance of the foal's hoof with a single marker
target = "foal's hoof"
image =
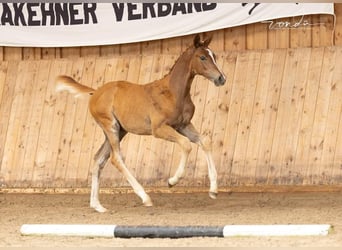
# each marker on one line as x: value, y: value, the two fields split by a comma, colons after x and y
x: 213, y: 195
x: 99, y: 209
x: 169, y: 184
x: 148, y: 203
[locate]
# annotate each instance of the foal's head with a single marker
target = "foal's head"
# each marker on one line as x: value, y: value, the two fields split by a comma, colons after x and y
x: 204, y: 62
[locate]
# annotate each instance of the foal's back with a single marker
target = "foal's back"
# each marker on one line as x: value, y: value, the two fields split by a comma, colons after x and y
x: 132, y: 105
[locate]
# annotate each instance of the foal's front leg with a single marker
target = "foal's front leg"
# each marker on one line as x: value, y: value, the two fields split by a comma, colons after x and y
x: 205, y: 143
x: 168, y: 133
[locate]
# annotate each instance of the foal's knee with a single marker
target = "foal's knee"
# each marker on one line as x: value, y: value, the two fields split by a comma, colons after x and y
x: 206, y: 143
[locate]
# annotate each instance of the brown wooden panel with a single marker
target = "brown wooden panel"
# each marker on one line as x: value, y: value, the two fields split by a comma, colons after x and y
x: 235, y: 38
x: 34, y: 122
x: 277, y: 121
x: 332, y: 124
x: 64, y: 139
x: 238, y: 172
x: 308, y: 112
x: 267, y: 136
x: 321, y: 113
x: 258, y: 109
x: 338, y: 24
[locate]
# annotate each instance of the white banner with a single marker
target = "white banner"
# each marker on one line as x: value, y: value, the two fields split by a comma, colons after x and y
x: 83, y: 24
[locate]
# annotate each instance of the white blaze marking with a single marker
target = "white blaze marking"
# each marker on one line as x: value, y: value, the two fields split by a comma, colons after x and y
x: 213, y: 59
x: 211, y: 55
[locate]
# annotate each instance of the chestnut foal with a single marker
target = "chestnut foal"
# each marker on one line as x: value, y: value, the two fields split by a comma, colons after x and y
x: 162, y: 108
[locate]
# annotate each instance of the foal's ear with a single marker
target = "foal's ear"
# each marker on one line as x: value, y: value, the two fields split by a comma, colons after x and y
x: 197, y: 41
x: 207, y: 41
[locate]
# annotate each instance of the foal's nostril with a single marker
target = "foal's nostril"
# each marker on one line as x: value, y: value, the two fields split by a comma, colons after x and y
x: 222, y: 79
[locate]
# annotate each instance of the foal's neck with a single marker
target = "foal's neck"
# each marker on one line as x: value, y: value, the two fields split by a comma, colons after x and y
x: 181, y: 76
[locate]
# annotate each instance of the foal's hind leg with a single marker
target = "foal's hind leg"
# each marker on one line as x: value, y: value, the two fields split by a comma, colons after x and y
x: 100, y: 158
x: 205, y: 143
x: 112, y: 129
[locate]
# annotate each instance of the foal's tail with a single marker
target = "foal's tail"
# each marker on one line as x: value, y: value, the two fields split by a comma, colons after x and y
x: 67, y: 83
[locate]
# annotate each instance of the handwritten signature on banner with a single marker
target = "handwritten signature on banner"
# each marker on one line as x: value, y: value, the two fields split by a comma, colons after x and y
x: 301, y: 23
x: 276, y: 25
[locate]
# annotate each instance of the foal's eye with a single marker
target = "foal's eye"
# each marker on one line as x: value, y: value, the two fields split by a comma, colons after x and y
x: 203, y: 58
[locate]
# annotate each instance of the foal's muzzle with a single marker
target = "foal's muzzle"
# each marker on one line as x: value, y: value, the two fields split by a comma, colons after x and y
x: 220, y: 80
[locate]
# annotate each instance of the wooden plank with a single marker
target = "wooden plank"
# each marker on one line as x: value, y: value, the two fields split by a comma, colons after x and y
x: 33, y: 122
x: 31, y: 53
x: 130, y: 49
x: 244, y: 123
x: 235, y: 38
x: 338, y: 24
x: 301, y: 36
x: 337, y: 170
x: 232, y: 123
x: 3, y: 73
x: 270, y: 117
x: 90, y: 51
x: 171, y: 46
x: 12, y: 53
x: 16, y: 126
x: 77, y: 130
x: 110, y: 50
x: 279, y: 38
x: 315, y: 31
x: 218, y: 139
x: 65, y: 144
x: 50, y: 126
x: 308, y: 113
x: 256, y: 36
x: 7, y: 118
x: 71, y: 52
x: 281, y: 126
x: 326, y: 30
x: 86, y: 155
x: 4, y: 98
x: 258, y: 115
x: 289, y: 172
x: 1, y: 53
x: 23, y: 118
x: 151, y: 47
x: 321, y: 112
x: 332, y: 124
x: 50, y: 53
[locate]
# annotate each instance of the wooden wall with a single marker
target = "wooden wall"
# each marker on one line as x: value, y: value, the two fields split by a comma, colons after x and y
x: 253, y: 36
x: 277, y: 121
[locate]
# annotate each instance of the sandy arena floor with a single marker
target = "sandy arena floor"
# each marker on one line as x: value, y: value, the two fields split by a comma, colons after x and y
x: 173, y: 210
